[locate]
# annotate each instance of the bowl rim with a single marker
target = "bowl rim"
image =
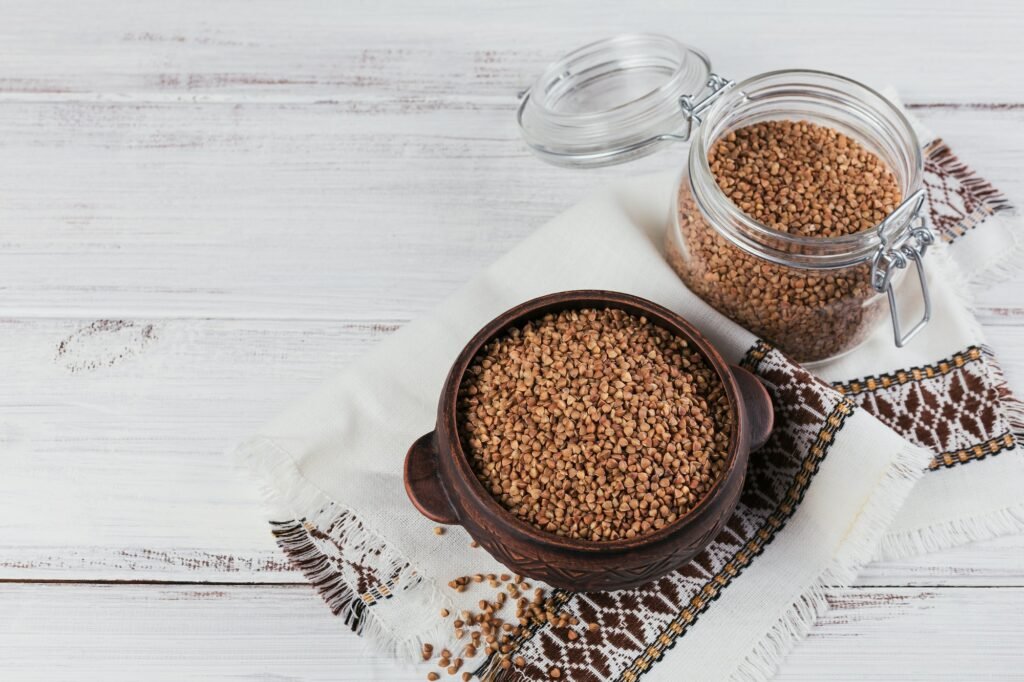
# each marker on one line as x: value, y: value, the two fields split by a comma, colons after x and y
x: 447, y: 425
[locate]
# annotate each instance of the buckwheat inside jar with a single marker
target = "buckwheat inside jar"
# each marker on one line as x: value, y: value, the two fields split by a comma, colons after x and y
x: 801, y: 179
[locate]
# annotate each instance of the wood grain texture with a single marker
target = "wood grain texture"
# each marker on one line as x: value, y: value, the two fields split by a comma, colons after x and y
x: 207, y: 208
x: 183, y: 632
x: 413, y: 57
x: 286, y: 211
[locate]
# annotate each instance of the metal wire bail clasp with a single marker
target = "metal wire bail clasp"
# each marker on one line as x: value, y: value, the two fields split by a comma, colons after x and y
x: 716, y: 86
x: 893, y: 255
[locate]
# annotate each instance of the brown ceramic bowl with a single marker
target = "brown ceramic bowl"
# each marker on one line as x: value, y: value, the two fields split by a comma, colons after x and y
x: 441, y: 483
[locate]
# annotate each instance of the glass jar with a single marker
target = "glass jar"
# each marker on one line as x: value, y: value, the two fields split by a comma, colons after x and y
x: 813, y: 297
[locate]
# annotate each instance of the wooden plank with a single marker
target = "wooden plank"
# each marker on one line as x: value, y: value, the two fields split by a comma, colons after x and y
x: 122, y: 632
x: 114, y: 472
x: 114, y: 434
x: 919, y: 634
x: 119, y: 632
x: 283, y: 211
x: 380, y: 57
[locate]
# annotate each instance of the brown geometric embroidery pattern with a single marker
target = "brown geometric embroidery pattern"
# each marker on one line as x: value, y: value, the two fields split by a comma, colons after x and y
x: 953, y: 407
x: 958, y: 199
x: 637, y: 626
x: 348, y: 580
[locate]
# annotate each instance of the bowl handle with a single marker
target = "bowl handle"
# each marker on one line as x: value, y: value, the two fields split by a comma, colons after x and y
x: 758, y: 404
x: 423, y: 482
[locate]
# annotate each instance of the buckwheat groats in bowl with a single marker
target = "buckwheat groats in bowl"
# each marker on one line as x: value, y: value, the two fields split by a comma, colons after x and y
x: 801, y: 180
x: 594, y: 424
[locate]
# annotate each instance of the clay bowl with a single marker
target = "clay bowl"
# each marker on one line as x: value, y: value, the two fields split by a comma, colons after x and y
x: 441, y: 483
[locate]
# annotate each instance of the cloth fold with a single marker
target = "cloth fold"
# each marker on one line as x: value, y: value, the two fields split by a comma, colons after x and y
x: 853, y: 441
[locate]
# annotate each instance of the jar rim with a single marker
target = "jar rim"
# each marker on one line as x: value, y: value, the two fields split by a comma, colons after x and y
x: 796, y: 250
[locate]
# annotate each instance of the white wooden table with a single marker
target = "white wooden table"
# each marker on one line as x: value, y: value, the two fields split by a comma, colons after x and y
x: 205, y: 208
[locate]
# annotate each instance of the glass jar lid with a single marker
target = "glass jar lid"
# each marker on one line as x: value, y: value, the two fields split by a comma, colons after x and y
x: 614, y: 100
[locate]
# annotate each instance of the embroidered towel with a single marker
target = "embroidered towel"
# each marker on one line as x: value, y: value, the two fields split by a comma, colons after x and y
x: 818, y: 499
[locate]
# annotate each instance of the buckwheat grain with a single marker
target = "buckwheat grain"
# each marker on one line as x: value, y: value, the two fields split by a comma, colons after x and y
x: 594, y: 424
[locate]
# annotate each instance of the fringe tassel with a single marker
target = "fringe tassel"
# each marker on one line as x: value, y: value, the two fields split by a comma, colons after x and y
x: 1013, y: 407
x: 857, y: 549
x: 1007, y: 262
x: 984, y: 191
x: 294, y: 540
x: 1008, y: 521
x: 294, y: 496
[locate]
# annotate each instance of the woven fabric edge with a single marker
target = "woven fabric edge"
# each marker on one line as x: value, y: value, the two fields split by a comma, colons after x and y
x: 287, y: 493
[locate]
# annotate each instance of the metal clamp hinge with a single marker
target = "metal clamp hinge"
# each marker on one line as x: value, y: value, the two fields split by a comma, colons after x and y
x: 692, y: 110
x: 893, y: 255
